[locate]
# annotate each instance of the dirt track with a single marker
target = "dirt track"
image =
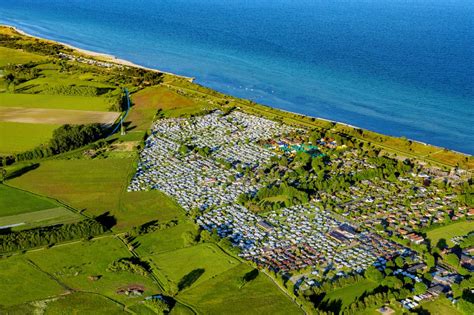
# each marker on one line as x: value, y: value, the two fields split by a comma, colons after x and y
x: 55, y: 116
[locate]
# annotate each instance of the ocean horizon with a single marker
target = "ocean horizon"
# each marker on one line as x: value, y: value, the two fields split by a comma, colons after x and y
x: 402, y: 68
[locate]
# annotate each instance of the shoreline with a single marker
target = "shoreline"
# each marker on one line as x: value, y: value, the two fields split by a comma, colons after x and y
x: 104, y: 56
x: 111, y: 58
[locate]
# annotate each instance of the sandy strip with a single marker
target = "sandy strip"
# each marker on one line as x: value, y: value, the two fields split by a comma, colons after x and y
x: 56, y: 116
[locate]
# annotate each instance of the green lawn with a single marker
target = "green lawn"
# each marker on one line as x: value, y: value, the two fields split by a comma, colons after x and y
x: 54, y: 101
x: 209, y: 258
x: 18, y: 137
x: 224, y: 294
x: 83, y: 303
x: 449, y: 231
x: 14, y: 201
x: 74, y: 263
x: 21, y: 282
x: 14, y: 56
x: 350, y: 293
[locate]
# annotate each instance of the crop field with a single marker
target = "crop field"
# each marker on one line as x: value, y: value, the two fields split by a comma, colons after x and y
x: 88, y: 103
x: 206, y: 259
x: 18, y: 137
x: 19, y: 276
x: 56, y: 116
x: 14, y: 56
x: 72, y: 264
x: 259, y: 295
x: 99, y: 186
x: 449, y: 231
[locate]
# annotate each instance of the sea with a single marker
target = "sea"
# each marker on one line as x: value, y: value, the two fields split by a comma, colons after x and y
x: 399, y: 67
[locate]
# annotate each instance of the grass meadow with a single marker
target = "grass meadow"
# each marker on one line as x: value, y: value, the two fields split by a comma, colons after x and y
x: 18, y: 137
x: 209, y: 258
x: 83, y: 303
x: 72, y: 264
x: 440, y: 306
x: 449, y: 231
x: 98, y: 186
x: 19, y: 276
x: 350, y: 293
x: 163, y: 241
x: 14, y: 56
x: 41, y: 218
x: 259, y: 295
x: 14, y: 201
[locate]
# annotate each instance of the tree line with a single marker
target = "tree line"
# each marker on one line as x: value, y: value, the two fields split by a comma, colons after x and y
x: 25, y: 239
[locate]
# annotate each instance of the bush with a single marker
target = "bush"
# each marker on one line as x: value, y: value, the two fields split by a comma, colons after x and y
x: 132, y: 264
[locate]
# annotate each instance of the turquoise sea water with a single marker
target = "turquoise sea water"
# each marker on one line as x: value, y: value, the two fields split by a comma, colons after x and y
x: 404, y: 68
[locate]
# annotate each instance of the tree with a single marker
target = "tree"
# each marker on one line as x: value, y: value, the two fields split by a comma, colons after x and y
x: 392, y: 282
x: 399, y: 262
x: 373, y: 274
x: 442, y: 244
x: 430, y: 261
x: 452, y: 259
x: 158, y: 305
x: 419, y: 288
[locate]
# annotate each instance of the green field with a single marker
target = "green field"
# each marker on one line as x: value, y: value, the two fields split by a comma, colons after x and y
x: 440, y: 306
x: 94, y: 185
x: 21, y: 282
x: 83, y: 303
x: 41, y: 218
x: 18, y: 137
x: 14, y: 201
x: 14, y: 56
x: 99, y: 186
x: 72, y: 264
x: 449, y: 231
x: 350, y: 293
x: 54, y: 101
x: 260, y: 295
x: 209, y: 258
x: 163, y: 240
